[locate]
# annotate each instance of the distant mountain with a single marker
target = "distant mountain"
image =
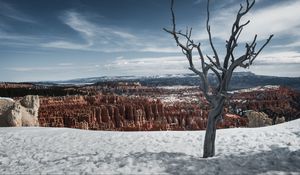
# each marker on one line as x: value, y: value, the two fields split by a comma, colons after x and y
x: 240, y: 80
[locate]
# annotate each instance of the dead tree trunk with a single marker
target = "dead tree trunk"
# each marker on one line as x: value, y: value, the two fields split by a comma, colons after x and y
x: 216, y: 96
x: 210, y: 134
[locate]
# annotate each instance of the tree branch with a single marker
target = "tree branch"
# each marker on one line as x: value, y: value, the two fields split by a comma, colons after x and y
x: 187, y: 51
x: 210, y: 37
x: 235, y: 32
x: 213, y: 63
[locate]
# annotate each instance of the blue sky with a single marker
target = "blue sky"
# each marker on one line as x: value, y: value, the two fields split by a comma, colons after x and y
x: 59, y: 40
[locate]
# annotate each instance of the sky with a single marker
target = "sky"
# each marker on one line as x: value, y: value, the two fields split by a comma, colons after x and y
x: 43, y: 40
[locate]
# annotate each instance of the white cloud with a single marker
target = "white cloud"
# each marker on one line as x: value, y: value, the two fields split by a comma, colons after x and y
x: 30, y: 69
x: 65, y: 64
x: 278, y: 19
x: 173, y: 49
x: 95, y: 37
x: 103, y: 38
x: 290, y: 45
x: 78, y: 23
x: 67, y: 45
x: 179, y: 64
x: 149, y: 66
x: 123, y: 34
x: 279, y: 58
x: 62, y: 67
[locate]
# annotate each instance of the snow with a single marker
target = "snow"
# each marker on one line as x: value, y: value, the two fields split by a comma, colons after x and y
x: 257, y: 88
x: 176, y: 87
x: 267, y: 150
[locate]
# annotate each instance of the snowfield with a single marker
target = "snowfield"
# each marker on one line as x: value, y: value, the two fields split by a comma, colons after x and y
x: 268, y: 150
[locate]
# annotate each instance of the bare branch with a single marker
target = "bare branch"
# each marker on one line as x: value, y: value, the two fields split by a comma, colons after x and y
x: 250, y: 54
x: 236, y: 31
x: 200, y: 56
x: 173, y: 32
x: 264, y: 45
x: 187, y: 51
x: 213, y: 63
x: 210, y: 37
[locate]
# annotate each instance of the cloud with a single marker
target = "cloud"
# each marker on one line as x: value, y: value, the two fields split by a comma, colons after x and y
x: 95, y: 37
x: 279, y: 19
x: 290, y: 45
x: 173, y: 49
x: 30, y: 69
x: 84, y: 28
x: 90, y: 36
x: 149, y: 66
x: 11, y: 12
x: 103, y: 38
x: 67, y: 45
x: 62, y: 67
x: 124, y: 35
x: 16, y: 41
x: 65, y: 64
x: 286, y: 57
x: 78, y: 23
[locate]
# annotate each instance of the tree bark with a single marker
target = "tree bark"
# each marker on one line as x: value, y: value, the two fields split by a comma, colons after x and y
x: 210, y: 134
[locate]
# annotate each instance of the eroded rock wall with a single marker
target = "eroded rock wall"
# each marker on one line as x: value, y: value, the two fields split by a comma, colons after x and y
x: 276, y: 103
x: 113, y: 112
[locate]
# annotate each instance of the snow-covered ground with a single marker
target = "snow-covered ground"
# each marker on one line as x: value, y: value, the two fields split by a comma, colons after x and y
x: 268, y: 150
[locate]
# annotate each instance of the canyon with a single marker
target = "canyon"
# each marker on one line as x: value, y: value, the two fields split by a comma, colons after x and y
x: 130, y: 106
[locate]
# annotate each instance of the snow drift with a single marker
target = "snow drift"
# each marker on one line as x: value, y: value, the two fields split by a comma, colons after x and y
x: 267, y: 150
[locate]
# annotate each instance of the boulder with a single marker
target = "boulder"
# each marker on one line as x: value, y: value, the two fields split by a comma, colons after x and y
x: 5, y: 104
x: 258, y: 119
x: 279, y: 120
x: 23, y: 112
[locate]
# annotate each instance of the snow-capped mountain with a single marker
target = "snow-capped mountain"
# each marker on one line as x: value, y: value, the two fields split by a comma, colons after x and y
x: 240, y: 80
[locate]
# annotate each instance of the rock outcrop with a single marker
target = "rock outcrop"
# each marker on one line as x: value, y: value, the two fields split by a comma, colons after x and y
x: 23, y: 112
x: 5, y: 104
x: 258, y: 119
x: 279, y: 120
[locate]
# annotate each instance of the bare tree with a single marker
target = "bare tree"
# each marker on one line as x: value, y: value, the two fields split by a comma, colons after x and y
x: 216, y: 94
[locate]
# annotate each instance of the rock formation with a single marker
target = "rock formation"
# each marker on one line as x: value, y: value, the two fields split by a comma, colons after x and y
x: 133, y: 107
x: 123, y: 113
x: 23, y: 112
x: 258, y: 119
x: 275, y: 102
x: 279, y: 120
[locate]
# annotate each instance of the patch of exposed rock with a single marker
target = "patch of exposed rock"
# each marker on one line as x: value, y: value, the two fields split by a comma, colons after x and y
x: 23, y: 112
x: 5, y: 104
x: 279, y: 120
x: 258, y: 119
